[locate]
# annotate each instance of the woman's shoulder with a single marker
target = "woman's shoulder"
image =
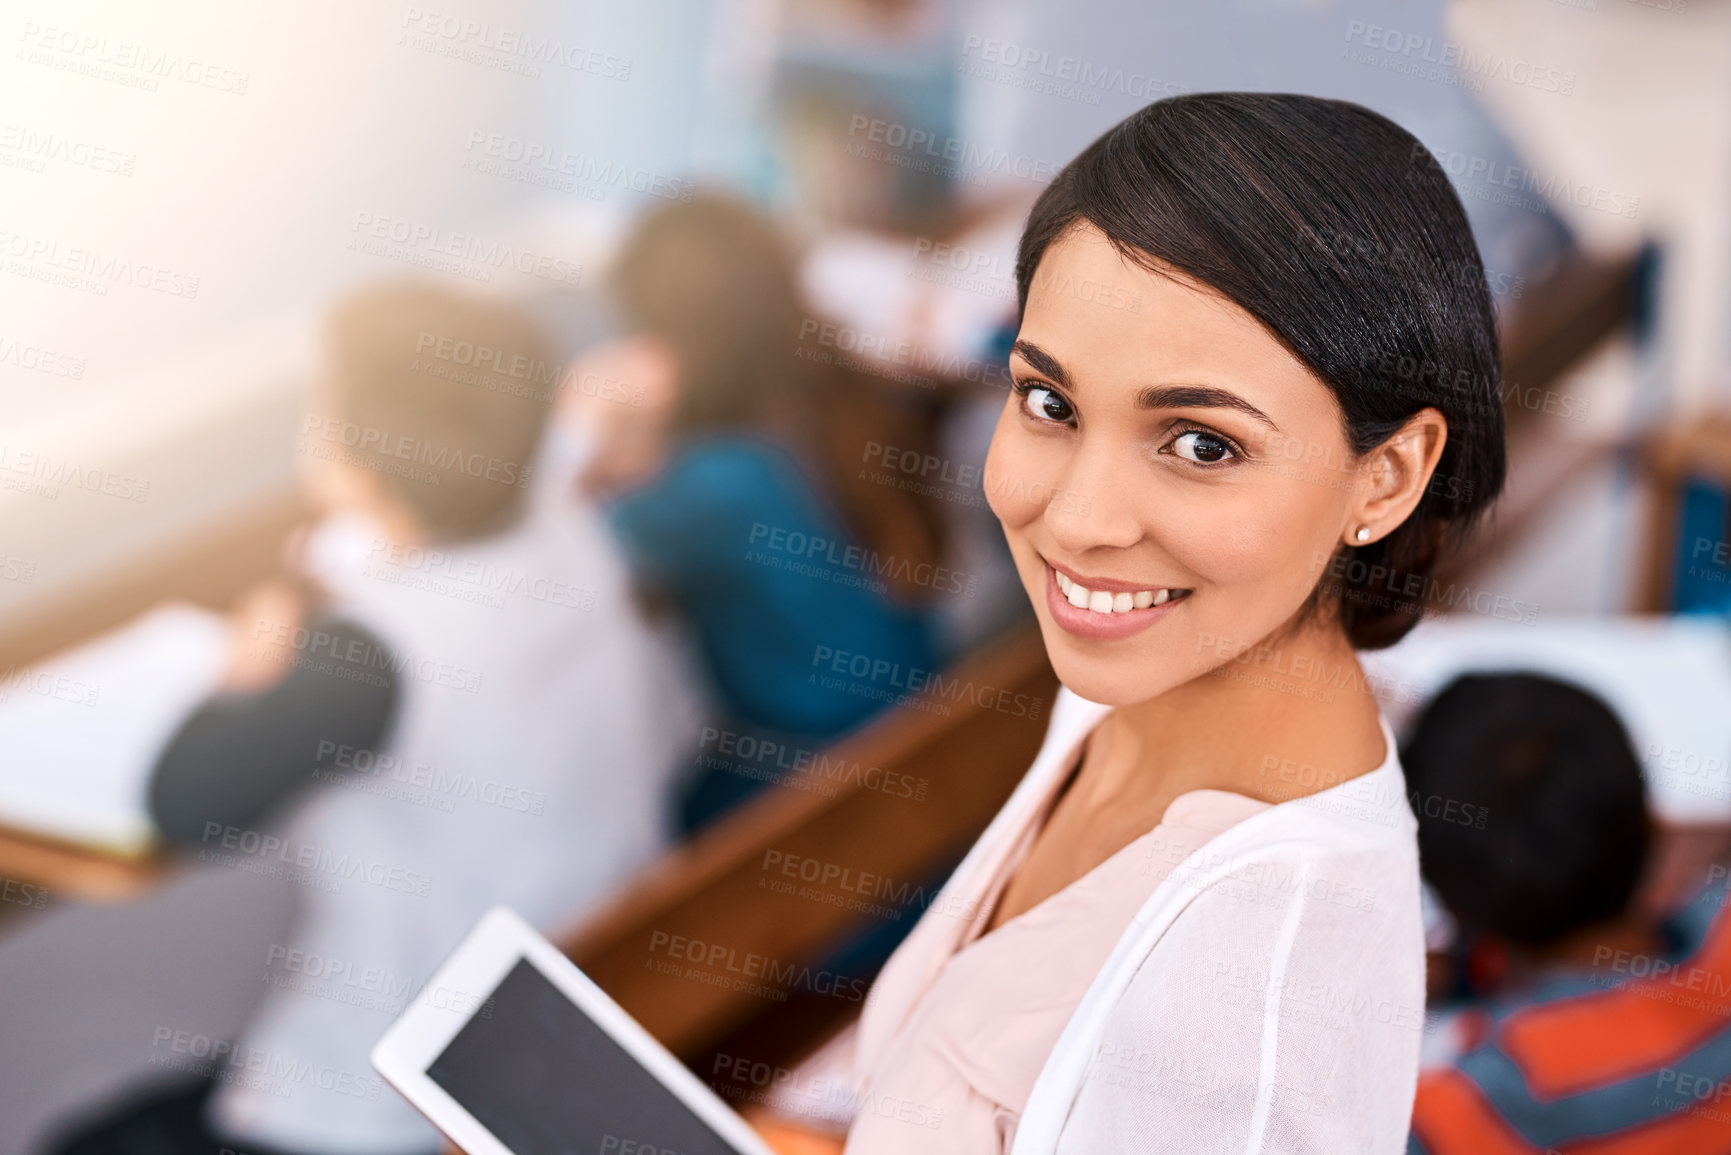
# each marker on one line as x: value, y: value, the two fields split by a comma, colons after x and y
x: 737, y: 457
x: 717, y: 478
x: 1368, y: 813
x: 1340, y: 866
x: 1286, y: 921
x: 729, y: 475
x: 1342, y: 861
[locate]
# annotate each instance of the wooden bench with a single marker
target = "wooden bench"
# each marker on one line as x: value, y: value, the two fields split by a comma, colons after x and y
x: 1699, y: 449
x: 1558, y: 322
x: 778, y: 884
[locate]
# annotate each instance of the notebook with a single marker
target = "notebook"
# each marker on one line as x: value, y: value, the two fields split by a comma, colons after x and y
x: 80, y: 732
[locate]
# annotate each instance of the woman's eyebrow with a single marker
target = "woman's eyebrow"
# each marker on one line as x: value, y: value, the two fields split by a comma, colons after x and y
x: 1153, y: 396
x: 1043, y: 362
x: 1199, y: 397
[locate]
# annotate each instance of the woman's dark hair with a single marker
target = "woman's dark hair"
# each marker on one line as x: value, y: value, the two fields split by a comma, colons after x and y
x: 716, y: 281
x: 1338, y: 231
x: 1532, y: 817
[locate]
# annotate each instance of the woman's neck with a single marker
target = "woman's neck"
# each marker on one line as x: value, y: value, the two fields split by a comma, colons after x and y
x: 1287, y: 719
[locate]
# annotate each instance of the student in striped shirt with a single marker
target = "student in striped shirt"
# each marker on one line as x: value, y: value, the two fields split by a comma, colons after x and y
x: 1603, y: 1031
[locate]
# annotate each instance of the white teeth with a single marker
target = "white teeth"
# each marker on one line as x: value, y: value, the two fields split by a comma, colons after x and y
x: 1102, y: 602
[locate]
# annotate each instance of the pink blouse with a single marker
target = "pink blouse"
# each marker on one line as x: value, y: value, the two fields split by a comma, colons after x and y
x: 956, y: 1076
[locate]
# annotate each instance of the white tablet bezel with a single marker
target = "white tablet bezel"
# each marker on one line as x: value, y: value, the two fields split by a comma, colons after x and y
x: 457, y: 991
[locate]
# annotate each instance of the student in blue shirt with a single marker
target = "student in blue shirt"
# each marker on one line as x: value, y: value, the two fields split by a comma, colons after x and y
x: 736, y: 450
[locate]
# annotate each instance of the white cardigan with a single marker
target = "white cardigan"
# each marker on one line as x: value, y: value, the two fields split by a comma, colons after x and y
x: 1268, y: 997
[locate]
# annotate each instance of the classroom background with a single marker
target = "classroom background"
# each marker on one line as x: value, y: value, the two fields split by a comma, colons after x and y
x: 584, y: 641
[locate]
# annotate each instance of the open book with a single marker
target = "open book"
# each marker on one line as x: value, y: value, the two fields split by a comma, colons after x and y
x: 80, y: 732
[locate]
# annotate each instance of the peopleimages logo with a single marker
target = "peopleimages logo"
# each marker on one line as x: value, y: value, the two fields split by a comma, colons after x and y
x: 137, y: 65
x: 54, y: 472
x: 1468, y: 170
x: 249, y: 1066
x: 361, y: 763
x: 1471, y: 65
x: 413, y: 449
x: 813, y: 771
x: 88, y: 269
x: 464, y: 254
x: 40, y: 360
x: 726, y: 966
x: 901, y: 683
x: 772, y: 543
x: 552, y: 160
x: 36, y: 148
x: 1066, y: 77
x: 450, y: 35
x: 975, y: 159
x: 327, y: 865
x: 872, y: 352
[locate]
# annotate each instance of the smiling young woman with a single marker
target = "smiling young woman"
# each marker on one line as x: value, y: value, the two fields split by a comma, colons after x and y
x: 1195, y: 926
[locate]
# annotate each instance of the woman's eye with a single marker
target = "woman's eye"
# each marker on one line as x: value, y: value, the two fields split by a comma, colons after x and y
x: 1046, y: 405
x: 1201, y: 447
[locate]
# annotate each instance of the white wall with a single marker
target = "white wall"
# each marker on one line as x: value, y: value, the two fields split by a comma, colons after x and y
x: 250, y: 140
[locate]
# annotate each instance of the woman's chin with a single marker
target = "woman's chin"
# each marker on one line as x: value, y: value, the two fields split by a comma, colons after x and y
x: 1119, y: 681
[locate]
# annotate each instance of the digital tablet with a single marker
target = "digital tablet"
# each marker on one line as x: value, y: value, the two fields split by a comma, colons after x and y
x: 511, y: 1050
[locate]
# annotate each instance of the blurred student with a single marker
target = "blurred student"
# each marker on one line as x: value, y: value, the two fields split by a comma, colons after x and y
x: 534, y: 718
x: 744, y: 490
x: 1604, y: 1030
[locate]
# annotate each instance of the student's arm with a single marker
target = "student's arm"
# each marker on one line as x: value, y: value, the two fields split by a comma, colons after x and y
x: 244, y: 751
x: 701, y: 519
x: 621, y: 396
x: 662, y: 533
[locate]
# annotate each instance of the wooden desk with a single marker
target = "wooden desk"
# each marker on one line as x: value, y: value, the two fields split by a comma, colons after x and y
x: 723, y: 889
x: 68, y: 871
x: 213, y: 568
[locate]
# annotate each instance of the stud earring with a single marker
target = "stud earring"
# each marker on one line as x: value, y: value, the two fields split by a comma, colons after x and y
x: 1363, y: 534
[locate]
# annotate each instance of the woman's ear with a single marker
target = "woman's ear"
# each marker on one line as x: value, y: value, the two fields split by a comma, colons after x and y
x: 1392, y: 477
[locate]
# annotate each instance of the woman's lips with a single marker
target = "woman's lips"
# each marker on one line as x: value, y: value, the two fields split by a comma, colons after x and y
x: 1088, y: 623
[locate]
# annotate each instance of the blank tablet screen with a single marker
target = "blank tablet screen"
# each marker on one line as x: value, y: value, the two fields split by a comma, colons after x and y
x: 546, y: 1080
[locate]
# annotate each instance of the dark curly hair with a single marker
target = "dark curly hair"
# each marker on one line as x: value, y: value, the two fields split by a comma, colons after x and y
x: 1532, y: 809
x: 1338, y: 231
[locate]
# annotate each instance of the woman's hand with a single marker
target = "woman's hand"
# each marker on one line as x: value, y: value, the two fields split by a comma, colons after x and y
x: 782, y: 1137
x: 623, y: 394
x: 787, y: 1138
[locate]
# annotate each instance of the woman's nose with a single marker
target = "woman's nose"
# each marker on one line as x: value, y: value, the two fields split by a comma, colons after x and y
x: 1093, y: 507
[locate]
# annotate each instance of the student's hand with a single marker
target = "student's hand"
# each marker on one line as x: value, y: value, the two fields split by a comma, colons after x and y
x: 261, y: 629
x: 623, y: 394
